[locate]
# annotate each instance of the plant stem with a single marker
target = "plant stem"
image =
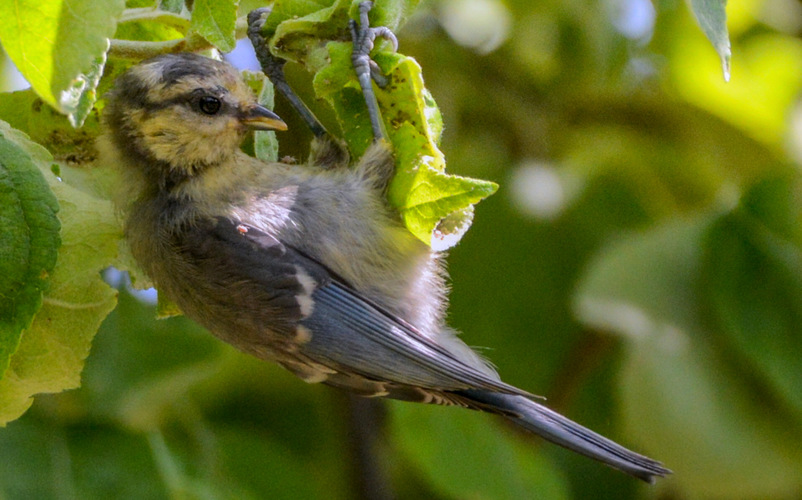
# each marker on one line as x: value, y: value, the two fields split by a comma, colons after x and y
x: 138, y: 50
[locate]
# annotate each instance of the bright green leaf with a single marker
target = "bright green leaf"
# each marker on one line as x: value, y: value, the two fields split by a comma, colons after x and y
x: 58, y: 45
x: 216, y: 20
x: 712, y: 17
x: 439, y: 207
x: 152, y: 30
x: 767, y: 81
x: 420, y: 190
x: 140, y: 4
x: 298, y: 28
x: 29, y: 242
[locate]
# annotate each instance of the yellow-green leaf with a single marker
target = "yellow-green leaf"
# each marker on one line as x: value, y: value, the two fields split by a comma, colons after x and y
x: 216, y: 20
x: 421, y: 190
x: 712, y: 17
x: 57, y: 45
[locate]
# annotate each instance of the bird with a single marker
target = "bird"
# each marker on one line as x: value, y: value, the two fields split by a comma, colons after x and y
x: 305, y: 265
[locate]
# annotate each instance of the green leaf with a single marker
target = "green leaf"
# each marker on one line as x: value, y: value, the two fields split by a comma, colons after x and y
x: 776, y: 203
x: 645, y: 281
x: 439, y: 207
x: 85, y: 462
x: 421, y: 190
x: 436, y: 207
x: 462, y: 455
x: 140, y: 4
x: 265, y: 144
x: 240, y: 452
x: 27, y: 112
x: 165, y: 308
x: 754, y: 287
x: 29, y: 242
x: 300, y: 29
x: 216, y: 20
x: 692, y: 410
x: 712, y: 17
x: 51, y: 352
x: 83, y: 92
x: 174, y: 6
x: 59, y: 46
x: 152, y: 29
x: 142, y: 368
x: 683, y: 399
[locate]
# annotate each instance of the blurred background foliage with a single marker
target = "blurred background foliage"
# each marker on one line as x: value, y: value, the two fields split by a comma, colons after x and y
x: 640, y: 266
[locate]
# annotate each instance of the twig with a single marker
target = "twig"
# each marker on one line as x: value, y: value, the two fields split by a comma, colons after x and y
x: 365, y: 428
x: 138, y: 50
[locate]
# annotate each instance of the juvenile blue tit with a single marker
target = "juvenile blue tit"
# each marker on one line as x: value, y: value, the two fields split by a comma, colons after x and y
x: 303, y: 265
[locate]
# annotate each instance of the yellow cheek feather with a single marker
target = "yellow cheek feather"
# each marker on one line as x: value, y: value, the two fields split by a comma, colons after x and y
x: 182, y: 137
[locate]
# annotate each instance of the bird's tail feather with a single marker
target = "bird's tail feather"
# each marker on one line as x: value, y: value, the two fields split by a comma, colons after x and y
x: 560, y: 430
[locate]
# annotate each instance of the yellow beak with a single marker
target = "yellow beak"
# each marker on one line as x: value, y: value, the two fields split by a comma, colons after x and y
x: 261, y: 118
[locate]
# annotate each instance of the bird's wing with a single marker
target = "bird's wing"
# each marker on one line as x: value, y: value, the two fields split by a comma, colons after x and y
x: 334, y: 328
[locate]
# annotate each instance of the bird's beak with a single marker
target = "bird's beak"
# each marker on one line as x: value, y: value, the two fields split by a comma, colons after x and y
x: 261, y: 118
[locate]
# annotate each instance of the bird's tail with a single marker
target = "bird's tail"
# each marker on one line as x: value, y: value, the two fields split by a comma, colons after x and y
x: 560, y: 430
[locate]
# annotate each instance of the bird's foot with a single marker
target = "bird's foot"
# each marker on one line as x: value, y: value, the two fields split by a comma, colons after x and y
x: 366, y: 68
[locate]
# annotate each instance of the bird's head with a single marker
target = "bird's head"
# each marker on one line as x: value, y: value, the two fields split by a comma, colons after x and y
x: 178, y: 114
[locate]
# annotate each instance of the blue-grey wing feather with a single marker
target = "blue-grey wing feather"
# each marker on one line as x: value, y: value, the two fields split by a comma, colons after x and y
x: 351, y: 333
x: 330, y: 333
x: 345, y: 332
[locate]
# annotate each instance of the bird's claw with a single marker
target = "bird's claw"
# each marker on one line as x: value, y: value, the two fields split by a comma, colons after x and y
x: 272, y: 66
x: 256, y: 20
x: 363, y: 37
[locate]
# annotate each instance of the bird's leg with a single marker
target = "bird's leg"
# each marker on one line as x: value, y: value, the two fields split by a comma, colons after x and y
x: 326, y: 152
x: 377, y: 164
x: 366, y: 69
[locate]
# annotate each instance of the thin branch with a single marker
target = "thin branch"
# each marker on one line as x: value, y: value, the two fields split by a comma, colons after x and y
x: 366, y: 426
x: 138, y: 50
x: 585, y: 356
x: 153, y: 14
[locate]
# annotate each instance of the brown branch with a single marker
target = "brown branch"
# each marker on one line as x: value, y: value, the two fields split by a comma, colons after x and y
x: 583, y: 359
x: 366, y: 419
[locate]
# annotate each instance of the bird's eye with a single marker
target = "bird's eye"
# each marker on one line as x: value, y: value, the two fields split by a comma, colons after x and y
x: 209, y: 105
